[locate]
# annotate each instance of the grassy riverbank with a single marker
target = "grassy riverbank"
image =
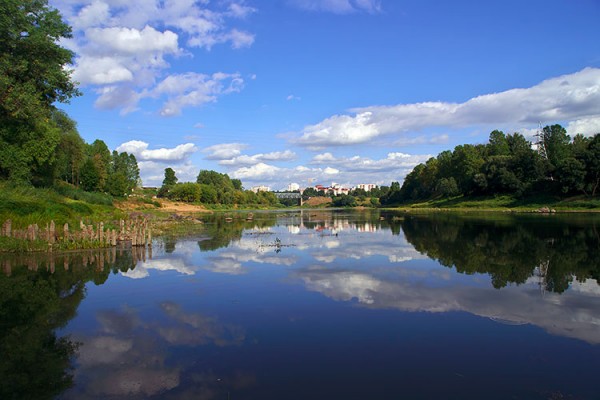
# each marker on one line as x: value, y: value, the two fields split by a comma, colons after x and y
x: 27, y: 205
x: 509, y: 203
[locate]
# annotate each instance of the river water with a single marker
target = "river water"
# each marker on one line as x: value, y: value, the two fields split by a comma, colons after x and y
x: 314, y: 305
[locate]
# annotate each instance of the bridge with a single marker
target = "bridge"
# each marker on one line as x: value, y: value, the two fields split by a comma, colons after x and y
x: 287, y: 195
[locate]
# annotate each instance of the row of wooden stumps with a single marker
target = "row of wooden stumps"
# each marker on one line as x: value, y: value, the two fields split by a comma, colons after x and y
x: 137, y: 231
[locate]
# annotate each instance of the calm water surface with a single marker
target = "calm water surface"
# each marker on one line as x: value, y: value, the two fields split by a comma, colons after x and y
x: 314, y: 305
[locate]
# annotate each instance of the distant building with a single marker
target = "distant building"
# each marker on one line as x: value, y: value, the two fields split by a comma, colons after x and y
x: 367, y: 187
x: 260, y: 188
x: 335, y: 188
x: 292, y: 187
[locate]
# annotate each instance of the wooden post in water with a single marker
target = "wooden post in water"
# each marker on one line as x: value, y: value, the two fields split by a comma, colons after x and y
x: 6, y: 228
x: 52, y: 232
x: 65, y: 232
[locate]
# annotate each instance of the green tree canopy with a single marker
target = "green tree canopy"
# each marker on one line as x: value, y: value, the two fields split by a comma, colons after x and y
x: 170, y: 178
x: 34, y: 75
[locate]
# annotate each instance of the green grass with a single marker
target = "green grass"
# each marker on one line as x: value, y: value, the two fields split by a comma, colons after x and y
x: 26, y: 205
x: 579, y: 203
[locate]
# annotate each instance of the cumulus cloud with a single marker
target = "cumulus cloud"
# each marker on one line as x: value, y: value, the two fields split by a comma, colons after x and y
x: 286, y: 155
x: 347, y: 171
x: 260, y: 171
x: 574, y: 97
x: 192, y: 89
x: 123, y: 48
x: 338, y: 6
x: 152, y: 162
x: 141, y: 152
x: 588, y: 126
x: 153, y: 172
x: 393, y: 161
x: 224, y: 151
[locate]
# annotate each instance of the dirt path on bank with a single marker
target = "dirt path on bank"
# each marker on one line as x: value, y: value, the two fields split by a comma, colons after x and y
x: 166, y: 205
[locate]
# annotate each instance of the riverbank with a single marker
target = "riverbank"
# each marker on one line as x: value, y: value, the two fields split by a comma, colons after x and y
x: 544, y: 204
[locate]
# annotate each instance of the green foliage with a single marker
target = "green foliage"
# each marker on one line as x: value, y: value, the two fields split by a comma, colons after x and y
x: 506, y: 165
x: 170, y: 178
x: 344, y: 200
x: 26, y: 205
x: 32, y: 78
x: 189, y: 192
x: 89, y: 176
x: 215, y: 179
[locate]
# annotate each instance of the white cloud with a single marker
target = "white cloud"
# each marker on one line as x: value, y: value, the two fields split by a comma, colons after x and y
x: 573, y: 97
x: 338, y: 6
x: 393, y: 161
x: 122, y: 48
x: 153, y: 172
x: 406, y: 141
x: 347, y: 171
x: 587, y: 127
x: 141, y: 152
x: 286, y: 155
x: 191, y: 89
x: 118, y: 96
x: 152, y: 163
x: 132, y: 41
x: 259, y: 171
x: 292, y: 97
x: 224, y: 151
x: 240, y: 10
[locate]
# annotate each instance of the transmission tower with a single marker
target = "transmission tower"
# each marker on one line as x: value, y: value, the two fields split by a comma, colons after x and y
x: 541, y: 142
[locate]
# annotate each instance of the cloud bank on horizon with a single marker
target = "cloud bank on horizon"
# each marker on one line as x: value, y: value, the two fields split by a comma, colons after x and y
x: 574, y: 98
x: 203, y: 65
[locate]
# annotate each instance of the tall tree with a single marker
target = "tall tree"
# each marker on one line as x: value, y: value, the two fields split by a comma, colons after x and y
x: 170, y: 178
x: 33, y: 76
x: 100, y: 154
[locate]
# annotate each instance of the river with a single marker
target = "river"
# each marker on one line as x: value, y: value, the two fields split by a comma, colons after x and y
x: 314, y: 305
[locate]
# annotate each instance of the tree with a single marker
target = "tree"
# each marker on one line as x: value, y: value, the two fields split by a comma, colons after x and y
x: 170, y: 178
x: 90, y: 179
x: 33, y: 76
x: 215, y: 179
x: 344, y: 200
x: 447, y: 187
x: 189, y: 192
x: 556, y: 144
x: 591, y: 159
x: 100, y: 154
x: 124, y: 174
x: 570, y: 173
x: 70, y: 152
x: 118, y: 185
x: 237, y: 184
x: 498, y: 144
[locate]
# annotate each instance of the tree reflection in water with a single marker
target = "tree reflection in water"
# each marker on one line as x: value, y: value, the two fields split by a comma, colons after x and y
x: 39, y: 294
x: 511, y: 249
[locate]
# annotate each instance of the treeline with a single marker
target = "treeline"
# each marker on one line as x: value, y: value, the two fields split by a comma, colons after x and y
x: 39, y: 144
x: 212, y: 187
x: 507, y: 164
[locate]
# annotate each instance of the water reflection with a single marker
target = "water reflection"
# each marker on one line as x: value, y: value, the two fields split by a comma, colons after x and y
x: 130, y: 356
x: 342, y: 258
x: 39, y: 294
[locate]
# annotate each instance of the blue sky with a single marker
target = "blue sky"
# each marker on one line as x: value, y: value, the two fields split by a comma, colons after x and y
x: 276, y: 92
